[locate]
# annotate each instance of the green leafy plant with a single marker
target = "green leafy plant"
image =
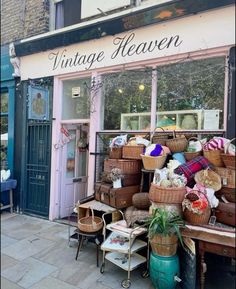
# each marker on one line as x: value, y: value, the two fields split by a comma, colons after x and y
x: 165, y: 223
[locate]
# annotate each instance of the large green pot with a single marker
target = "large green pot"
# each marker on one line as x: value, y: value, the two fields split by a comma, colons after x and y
x: 163, y: 271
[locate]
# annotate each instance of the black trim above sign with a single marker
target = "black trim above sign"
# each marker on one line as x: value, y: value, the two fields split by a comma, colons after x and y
x: 150, y: 15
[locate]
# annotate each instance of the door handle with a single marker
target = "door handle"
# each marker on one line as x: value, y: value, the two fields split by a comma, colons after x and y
x: 77, y: 180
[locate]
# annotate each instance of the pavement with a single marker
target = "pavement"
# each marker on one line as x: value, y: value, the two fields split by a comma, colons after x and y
x: 35, y: 254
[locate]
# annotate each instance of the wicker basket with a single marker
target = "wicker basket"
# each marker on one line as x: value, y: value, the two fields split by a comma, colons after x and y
x: 229, y: 160
x: 132, y: 152
x: 227, y: 177
x: 166, y: 195
x: 158, y: 137
x: 164, y: 245
x: 90, y: 224
x: 191, y: 155
x: 209, y: 179
x: 177, y: 144
x: 152, y: 163
x: 196, y: 219
x: 126, y: 166
x: 115, y: 153
x: 214, y: 157
x: 141, y: 201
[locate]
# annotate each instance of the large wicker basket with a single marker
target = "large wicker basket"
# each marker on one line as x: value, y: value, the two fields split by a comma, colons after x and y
x: 90, y: 224
x: 227, y: 177
x: 196, y: 219
x: 209, y: 179
x: 229, y: 160
x: 214, y: 157
x: 132, y: 152
x: 164, y: 245
x: 166, y: 195
x: 126, y: 166
x: 177, y: 144
x: 191, y: 155
x: 152, y: 163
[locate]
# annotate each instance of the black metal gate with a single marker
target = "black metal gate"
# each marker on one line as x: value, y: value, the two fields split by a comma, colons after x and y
x: 36, y: 182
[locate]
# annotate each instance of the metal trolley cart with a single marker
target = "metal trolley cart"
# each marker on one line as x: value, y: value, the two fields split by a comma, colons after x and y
x: 121, y: 246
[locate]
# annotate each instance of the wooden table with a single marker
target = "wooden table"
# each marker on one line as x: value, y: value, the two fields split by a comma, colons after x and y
x: 211, y: 240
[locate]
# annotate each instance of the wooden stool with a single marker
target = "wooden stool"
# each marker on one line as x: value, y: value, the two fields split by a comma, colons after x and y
x: 150, y: 177
x: 83, y: 235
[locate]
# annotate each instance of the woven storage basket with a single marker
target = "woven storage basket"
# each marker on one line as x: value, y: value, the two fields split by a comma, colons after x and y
x: 229, y: 160
x: 164, y: 245
x: 141, y: 201
x: 227, y: 177
x: 214, y: 157
x: 152, y: 163
x: 126, y: 166
x: 115, y: 153
x: 166, y: 195
x: 158, y: 137
x: 90, y: 224
x: 209, y: 179
x: 197, y: 219
x: 177, y: 144
x: 190, y: 155
x: 132, y: 152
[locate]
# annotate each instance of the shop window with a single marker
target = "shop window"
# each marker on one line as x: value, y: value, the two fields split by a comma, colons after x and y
x: 126, y: 96
x: 67, y: 12
x: 4, y: 130
x: 190, y: 94
x: 76, y: 99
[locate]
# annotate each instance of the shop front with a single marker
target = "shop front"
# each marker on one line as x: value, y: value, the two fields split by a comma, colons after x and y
x: 174, y: 75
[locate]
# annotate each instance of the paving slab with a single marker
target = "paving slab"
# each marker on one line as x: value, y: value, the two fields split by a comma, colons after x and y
x: 52, y: 283
x: 7, y: 261
x: 6, y: 284
x: 7, y: 241
x: 27, y: 247
x: 28, y: 272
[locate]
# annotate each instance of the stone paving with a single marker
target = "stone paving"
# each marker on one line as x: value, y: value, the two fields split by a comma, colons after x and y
x: 35, y: 255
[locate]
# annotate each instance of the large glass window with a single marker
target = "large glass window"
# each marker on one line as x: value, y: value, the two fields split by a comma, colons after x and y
x: 4, y: 129
x: 127, y: 100
x: 76, y: 99
x: 190, y: 95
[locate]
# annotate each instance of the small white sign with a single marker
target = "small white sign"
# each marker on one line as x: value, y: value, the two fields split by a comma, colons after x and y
x: 75, y: 92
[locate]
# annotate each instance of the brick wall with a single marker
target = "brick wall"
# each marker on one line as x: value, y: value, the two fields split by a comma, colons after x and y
x: 23, y: 18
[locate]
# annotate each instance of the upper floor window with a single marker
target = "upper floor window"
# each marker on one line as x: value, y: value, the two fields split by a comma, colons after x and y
x: 66, y: 12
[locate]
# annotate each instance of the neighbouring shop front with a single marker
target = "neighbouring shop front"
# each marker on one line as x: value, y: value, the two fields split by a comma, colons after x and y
x: 173, y: 74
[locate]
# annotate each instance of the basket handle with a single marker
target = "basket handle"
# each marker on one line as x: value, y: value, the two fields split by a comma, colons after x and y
x: 227, y: 145
x: 152, y: 135
x: 93, y: 222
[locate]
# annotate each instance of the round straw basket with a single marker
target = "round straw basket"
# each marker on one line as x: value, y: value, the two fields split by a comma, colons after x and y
x: 191, y: 155
x: 158, y: 137
x: 209, y: 179
x: 158, y: 194
x: 177, y: 144
x: 90, y: 224
x: 229, y: 160
x: 152, y: 163
x: 197, y: 219
x: 214, y: 157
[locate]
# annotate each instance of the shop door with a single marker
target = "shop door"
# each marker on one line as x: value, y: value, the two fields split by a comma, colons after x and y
x: 74, y: 167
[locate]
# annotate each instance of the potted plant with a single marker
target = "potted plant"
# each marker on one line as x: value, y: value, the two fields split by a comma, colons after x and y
x: 116, y: 176
x: 164, y: 231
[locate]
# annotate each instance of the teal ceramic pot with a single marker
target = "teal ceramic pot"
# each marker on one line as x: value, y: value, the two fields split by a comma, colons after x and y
x: 163, y: 271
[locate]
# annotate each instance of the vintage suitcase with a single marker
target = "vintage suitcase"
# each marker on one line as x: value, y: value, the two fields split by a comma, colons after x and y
x: 227, y: 177
x: 97, y: 193
x: 228, y: 193
x: 225, y: 213
x: 122, y: 197
x: 127, y: 180
x: 105, y: 193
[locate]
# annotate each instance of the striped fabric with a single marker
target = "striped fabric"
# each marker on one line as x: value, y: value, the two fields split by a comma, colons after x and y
x: 216, y: 143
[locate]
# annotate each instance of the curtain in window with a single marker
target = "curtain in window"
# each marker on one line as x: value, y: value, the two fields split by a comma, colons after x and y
x: 59, y: 15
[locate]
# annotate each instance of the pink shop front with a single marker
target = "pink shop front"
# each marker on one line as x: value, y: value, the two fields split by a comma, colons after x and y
x: 177, y: 75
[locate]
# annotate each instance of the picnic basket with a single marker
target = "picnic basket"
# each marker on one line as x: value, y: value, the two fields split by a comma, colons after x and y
x: 227, y: 177
x: 90, y: 224
x: 177, y: 144
x: 132, y: 151
x: 158, y: 137
x: 197, y: 219
x: 228, y: 160
x: 172, y: 195
x: 214, y: 157
x: 190, y: 155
